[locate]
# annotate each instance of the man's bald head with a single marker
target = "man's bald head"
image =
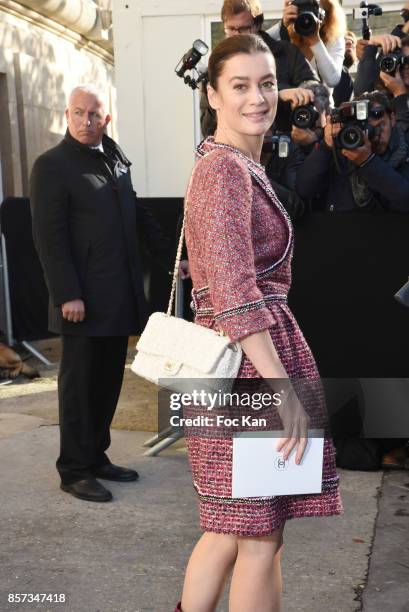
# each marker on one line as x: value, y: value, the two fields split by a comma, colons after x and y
x: 86, y: 115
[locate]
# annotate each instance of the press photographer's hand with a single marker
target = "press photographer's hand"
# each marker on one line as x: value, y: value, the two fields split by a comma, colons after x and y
x: 387, y: 42
x: 361, y: 154
x: 330, y: 132
x: 297, y: 96
x: 303, y: 136
x: 295, y: 423
x: 394, y: 84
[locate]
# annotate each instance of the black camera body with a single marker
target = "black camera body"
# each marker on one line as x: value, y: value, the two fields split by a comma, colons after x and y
x: 353, y: 117
x: 277, y: 144
x: 391, y: 62
x: 309, y: 13
x: 305, y: 117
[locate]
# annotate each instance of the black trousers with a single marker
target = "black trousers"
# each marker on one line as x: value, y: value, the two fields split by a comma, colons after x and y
x: 89, y: 383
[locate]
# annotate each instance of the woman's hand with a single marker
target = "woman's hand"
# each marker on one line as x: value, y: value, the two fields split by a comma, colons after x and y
x: 295, y: 422
x: 313, y: 38
x: 261, y: 351
x: 290, y: 13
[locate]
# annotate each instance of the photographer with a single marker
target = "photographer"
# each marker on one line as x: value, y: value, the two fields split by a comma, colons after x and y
x: 398, y: 87
x: 372, y: 175
x: 395, y: 81
x: 344, y: 90
x: 369, y: 54
x: 324, y: 47
x: 281, y: 159
x: 402, y: 30
x: 309, y: 122
x: 293, y: 71
x: 283, y: 156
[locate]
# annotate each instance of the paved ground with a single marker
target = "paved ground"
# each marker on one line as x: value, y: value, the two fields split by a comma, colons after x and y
x: 129, y: 555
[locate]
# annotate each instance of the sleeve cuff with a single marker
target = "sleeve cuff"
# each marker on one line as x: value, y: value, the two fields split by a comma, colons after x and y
x: 242, y: 321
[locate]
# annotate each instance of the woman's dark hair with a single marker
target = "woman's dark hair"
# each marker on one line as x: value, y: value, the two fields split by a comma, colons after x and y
x: 229, y: 47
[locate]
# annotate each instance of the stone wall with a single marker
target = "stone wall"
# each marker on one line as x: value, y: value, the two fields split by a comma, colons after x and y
x: 40, y: 62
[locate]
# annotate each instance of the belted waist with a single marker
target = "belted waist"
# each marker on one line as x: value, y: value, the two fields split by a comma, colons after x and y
x: 207, y: 310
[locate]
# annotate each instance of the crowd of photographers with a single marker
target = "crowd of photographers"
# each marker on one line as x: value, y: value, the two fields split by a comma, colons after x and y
x: 340, y: 141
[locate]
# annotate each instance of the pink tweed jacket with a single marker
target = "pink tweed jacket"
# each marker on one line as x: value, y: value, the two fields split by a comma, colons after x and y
x: 239, y: 240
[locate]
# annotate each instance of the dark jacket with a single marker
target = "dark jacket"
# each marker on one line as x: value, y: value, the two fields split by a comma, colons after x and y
x: 345, y: 88
x: 87, y: 226
x: 293, y: 70
x: 318, y: 176
x: 283, y: 170
x: 367, y: 74
x: 367, y: 79
x: 401, y: 107
x: 397, y: 31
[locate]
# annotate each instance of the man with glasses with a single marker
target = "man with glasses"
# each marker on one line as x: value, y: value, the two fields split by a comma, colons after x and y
x: 374, y: 175
x: 293, y: 70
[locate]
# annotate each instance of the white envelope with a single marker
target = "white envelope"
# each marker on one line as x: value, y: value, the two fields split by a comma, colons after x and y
x: 259, y: 470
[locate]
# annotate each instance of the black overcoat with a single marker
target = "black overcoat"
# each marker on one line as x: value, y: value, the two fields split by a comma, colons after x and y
x: 87, y: 227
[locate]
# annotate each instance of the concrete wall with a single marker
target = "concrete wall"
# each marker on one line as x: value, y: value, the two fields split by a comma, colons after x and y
x: 155, y: 109
x: 40, y: 62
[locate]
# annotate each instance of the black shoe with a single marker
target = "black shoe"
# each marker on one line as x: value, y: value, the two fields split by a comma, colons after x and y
x: 115, y: 472
x: 88, y: 489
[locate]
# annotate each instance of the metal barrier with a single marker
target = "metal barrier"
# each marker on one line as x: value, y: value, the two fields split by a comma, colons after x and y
x: 22, y: 287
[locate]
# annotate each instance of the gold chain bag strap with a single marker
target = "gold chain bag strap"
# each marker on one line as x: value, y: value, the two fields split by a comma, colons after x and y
x: 173, y: 353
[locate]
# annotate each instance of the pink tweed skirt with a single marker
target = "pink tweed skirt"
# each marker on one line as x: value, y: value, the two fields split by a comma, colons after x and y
x: 211, y: 461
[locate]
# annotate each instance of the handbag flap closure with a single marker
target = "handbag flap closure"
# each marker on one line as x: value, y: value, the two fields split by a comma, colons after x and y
x: 175, y: 338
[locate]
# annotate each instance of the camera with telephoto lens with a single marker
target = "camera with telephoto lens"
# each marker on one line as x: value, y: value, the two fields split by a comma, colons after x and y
x: 391, y: 62
x: 305, y: 117
x: 278, y: 144
x: 309, y: 14
x: 353, y: 117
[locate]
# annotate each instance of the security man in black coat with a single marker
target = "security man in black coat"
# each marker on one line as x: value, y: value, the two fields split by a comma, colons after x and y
x: 87, y: 223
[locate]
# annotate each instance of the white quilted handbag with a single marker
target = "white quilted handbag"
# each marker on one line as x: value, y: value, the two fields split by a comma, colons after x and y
x: 175, y: 353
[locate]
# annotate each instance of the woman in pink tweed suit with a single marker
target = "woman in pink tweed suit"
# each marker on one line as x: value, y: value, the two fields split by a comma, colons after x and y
x: 239, y: 241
